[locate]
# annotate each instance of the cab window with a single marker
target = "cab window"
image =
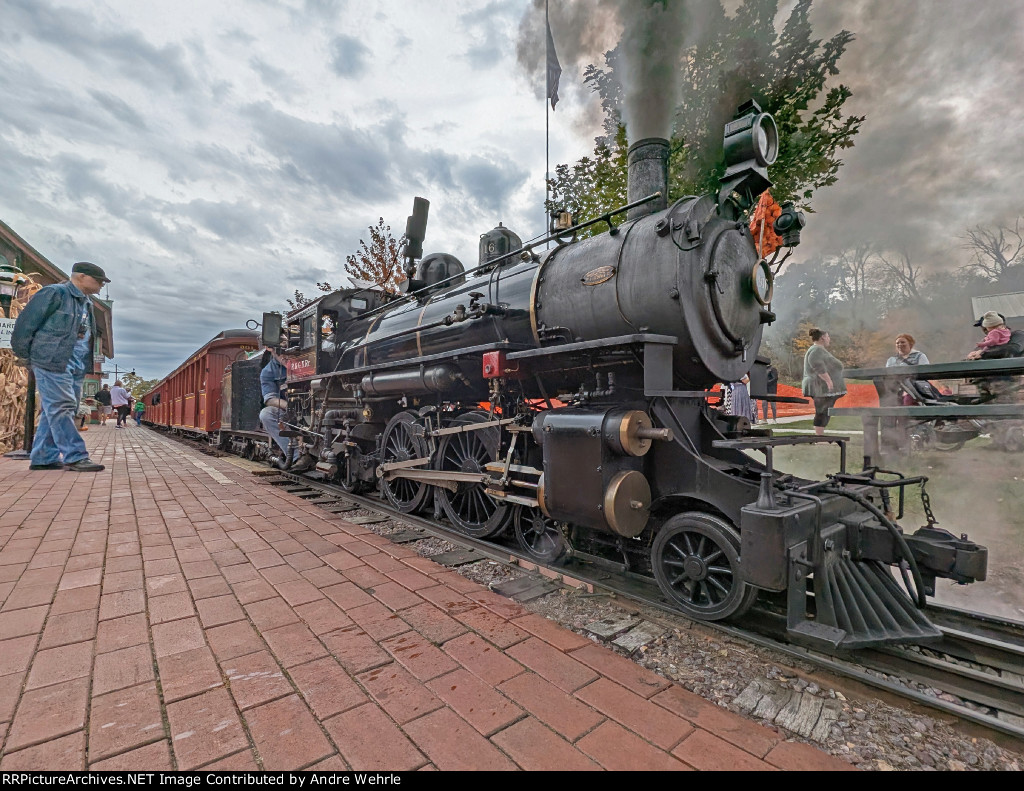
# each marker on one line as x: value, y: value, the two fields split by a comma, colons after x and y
x: 309, y: 332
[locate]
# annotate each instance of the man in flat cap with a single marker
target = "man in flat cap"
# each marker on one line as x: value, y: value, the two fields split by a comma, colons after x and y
x: 54, y: 333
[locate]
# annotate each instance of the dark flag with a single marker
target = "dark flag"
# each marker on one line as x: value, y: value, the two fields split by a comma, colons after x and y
x: 554, y: 70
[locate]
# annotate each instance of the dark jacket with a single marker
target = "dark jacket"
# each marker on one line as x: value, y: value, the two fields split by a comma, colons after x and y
x: 103, y: 396
x: 47, y: 329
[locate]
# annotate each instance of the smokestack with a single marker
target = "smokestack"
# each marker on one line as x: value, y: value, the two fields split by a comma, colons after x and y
x: 648, y: 173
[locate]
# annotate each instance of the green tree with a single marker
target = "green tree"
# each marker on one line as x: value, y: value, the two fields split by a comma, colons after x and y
x: 739, y: 57
x: 136, y: 385
x: 380, y: 260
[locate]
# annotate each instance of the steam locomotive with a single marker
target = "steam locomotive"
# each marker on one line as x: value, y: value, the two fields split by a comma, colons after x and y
x: 565, y: 395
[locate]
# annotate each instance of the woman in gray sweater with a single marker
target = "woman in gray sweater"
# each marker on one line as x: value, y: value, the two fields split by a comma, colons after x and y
x: 823, y: 378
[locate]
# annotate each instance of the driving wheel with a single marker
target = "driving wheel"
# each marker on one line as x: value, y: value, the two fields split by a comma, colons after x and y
x: 403, y: 442
x: 470, y: 508
x: 695, y: 558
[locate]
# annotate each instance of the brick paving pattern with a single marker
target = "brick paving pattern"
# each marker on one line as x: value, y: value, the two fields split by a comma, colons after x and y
x: 173, y: 613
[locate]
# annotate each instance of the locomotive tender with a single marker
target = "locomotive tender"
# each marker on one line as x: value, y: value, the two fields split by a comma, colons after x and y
x: 563, y: 394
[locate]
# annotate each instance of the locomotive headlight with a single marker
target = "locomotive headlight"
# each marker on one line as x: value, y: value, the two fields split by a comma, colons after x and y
x: 751, y: 144
x: 763, y: 282
x: 767, y: 139
x: 751, y: 139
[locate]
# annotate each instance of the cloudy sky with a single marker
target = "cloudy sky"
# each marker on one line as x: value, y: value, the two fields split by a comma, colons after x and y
x: 214, y: 157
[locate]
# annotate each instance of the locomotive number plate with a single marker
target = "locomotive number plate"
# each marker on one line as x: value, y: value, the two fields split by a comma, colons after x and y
x: 597, y: 276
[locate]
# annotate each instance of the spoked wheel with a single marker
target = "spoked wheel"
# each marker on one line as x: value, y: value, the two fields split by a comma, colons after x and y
x: 538, y: 535
x: 401, y: 443
x: 950, y: 437
x: 696, y: 562
x: 1013, y: 439
x: 470, y: 508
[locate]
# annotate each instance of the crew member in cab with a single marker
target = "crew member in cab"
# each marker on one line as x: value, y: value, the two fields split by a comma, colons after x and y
x: 273, y: 380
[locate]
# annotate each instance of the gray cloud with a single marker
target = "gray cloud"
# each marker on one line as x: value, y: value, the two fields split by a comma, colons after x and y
x: 278, y: 80
x: 323, y: 9
x: 80, y: 34
x: 348, y: 56
x: 490, y: 31
x: 118, y: 108
x: 488, y: 182
x: 239, y: 223
x: 350, y: 162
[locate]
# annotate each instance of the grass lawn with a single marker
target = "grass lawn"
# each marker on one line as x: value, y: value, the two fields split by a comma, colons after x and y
x: 836, y: 426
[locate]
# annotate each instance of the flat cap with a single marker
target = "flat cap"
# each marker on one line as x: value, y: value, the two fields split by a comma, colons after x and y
x: 85, y: 268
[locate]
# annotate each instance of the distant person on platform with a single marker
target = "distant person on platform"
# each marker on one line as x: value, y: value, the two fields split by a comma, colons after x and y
x: 121, y: 402
x: 54, y: 334
x: 906, y: 353
x: 741, y: 403
x: 84, y: 411
x: 771, y: 388
x: 140, y: 410
x: 273, y: 379
x: 103, y: 397
x: 823, y: 378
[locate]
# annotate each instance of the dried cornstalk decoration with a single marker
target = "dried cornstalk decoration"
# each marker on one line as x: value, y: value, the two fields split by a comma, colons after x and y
x: 14, y: 383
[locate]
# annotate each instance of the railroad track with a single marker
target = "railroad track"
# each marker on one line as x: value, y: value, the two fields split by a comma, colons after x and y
x: 975, y: 673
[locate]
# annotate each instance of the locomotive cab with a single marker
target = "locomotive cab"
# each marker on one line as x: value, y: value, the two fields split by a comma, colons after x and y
x: 314, y: 335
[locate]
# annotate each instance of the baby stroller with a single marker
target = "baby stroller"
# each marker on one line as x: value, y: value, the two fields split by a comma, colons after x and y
x: 950, y: 434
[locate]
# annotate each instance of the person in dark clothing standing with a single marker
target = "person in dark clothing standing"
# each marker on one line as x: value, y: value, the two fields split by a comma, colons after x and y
x: 103, y: 397
x: 771, y: 388
x: 54, y: 334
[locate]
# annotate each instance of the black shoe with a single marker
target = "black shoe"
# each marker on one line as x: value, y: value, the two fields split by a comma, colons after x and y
x: 85, y: 465
x: 301, y: 465
x: 55, y: 466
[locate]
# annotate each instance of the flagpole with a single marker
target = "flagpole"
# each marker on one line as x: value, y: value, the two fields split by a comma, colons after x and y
x: 547, y: 121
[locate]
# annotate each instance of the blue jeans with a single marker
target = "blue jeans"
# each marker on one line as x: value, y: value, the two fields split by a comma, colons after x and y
x: 56, y: 434
x: 270, y: 417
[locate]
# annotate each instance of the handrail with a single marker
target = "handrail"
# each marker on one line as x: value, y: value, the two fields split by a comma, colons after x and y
x: 954, y: 370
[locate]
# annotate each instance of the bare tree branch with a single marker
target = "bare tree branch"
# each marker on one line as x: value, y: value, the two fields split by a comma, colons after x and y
x: 901, y: 278
x: 994, y: 250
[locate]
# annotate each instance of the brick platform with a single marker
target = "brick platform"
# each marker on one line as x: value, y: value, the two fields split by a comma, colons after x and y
x: 173, y: 613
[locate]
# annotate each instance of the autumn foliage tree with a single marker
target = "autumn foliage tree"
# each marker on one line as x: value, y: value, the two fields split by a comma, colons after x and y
x: 378, y: 261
